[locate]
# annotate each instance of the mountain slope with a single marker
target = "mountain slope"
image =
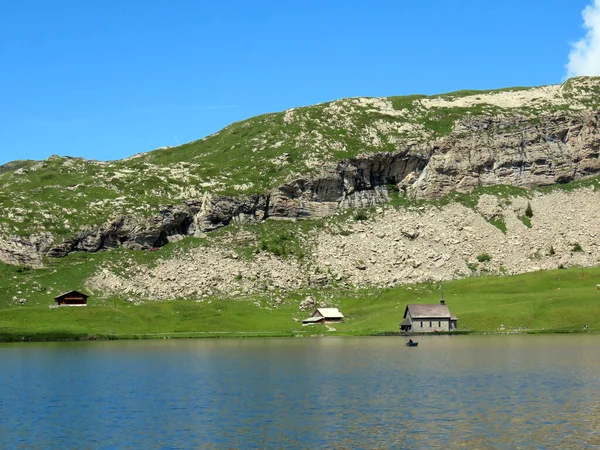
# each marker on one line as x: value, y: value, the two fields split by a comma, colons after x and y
x: 304, y: 162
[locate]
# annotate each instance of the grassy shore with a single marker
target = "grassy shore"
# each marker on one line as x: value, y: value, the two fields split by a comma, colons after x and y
x: 550, y: 301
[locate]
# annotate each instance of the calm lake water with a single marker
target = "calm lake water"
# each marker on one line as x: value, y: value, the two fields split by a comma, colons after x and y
x: 450, y: 392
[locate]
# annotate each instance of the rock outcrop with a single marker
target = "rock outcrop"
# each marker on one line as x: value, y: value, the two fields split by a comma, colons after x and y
x: 25, y: 250
x: 192, y: 218
x: 516, y: 152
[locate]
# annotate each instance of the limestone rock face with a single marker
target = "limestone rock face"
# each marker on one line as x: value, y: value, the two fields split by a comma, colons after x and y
x: 514, y: 152
x: 191, y: 218
x: 24, y: 251
x: 215, y: 211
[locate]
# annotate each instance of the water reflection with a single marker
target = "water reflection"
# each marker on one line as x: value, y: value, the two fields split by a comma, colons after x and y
x: 450, y: 392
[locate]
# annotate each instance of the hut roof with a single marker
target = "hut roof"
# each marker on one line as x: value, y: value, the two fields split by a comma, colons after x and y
x: 312, y: 319
x: 433, y: 311
x: 71, y: 292
x: 328, y: 313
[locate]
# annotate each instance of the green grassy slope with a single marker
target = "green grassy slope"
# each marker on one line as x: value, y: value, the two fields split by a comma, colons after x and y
x: 61, y: 195
x: 551, y: 301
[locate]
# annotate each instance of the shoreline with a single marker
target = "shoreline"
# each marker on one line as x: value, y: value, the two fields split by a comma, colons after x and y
x: 16, y: 337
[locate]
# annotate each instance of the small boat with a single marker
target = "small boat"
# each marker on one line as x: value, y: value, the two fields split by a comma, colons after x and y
x: 411, y: 344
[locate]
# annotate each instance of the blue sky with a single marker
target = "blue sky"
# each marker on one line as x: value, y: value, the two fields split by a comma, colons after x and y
x: 105, y: 79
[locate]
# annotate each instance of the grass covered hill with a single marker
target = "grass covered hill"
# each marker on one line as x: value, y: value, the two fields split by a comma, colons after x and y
x: 492, y: 195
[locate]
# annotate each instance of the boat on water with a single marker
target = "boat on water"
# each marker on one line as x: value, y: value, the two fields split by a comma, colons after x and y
x: 411, y: 343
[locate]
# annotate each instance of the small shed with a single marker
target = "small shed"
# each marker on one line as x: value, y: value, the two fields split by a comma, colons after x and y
x: 324, y: 315
x: 428, y: 318
x: 71, y: 298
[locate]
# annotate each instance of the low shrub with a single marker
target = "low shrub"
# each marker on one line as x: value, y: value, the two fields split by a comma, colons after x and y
x: 484, y: 257
x: 361, y: 215
x: 283, y: 244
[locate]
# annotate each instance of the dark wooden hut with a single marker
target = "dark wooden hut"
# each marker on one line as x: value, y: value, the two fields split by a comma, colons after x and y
x: 71, y: 298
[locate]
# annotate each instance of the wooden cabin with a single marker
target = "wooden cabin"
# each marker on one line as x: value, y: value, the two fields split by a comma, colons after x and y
x: 71, y: 298
x: 324, y: 315
x: 428, y: 318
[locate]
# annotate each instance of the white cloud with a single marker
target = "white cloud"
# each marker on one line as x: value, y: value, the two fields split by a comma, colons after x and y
x: 584, y: 58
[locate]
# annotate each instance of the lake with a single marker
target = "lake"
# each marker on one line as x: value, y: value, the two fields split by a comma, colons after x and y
x: 451, y: 392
